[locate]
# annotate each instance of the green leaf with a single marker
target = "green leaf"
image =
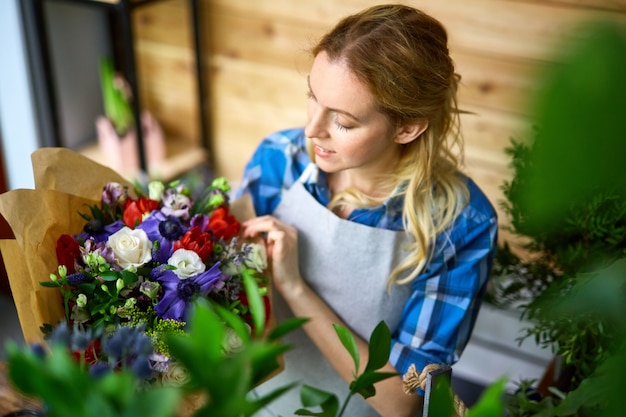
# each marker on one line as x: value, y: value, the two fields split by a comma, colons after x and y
x: 490, y: 403
x: 109, y: 275
x: 233, y: 321
x: 264, y: 359
x: 261, y: 402
x: 257, y: 308
x: 286, y: 326
x: 129, y: 277
x: 364, y: 384
x: 440, y: 402
x: 379, y: 347
x: 347, y: 340
x: 314, y: 397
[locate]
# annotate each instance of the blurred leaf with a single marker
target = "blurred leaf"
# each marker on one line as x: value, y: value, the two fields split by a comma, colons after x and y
x: 440, y: 402
x: 491, y: 402
x: 286, y: 327
x: 579, y: 113
x: 314, y: 397
x: 257, y: 307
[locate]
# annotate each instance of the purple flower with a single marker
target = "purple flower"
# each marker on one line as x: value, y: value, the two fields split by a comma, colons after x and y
x: 165, y: 230
x: 98, y: 231
x: 180, y: 293
x: 114, y: 194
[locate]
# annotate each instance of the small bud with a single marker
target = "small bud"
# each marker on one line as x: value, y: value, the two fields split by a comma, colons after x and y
x: 119, y: 284
x: 221, y: 183
x: 54, y: 278
x: 130, y: 303
x: 81, y: 300
x: 216, y: 200
x: 62, y: 271
x: 155, y: 190
x: 104, y: 288
x: 150, y: 289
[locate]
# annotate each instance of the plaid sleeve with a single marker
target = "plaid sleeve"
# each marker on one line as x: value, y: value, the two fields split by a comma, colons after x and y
x: 274, y: 166
x: 438, y: 319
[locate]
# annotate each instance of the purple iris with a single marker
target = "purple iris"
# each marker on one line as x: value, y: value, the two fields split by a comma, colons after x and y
x: 99, y: 231
x: 180, y: 293
x: 163, y: 229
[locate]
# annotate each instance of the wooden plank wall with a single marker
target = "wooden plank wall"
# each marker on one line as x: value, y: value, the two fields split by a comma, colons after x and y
x: 256, y: 55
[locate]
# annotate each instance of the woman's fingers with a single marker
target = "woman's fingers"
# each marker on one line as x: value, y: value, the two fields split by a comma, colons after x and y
x: 258, y: 225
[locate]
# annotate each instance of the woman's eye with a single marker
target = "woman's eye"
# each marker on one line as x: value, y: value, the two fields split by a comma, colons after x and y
x: 339, y: 125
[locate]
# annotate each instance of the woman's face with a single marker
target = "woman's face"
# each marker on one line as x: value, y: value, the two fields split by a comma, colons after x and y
x: 347, y: 130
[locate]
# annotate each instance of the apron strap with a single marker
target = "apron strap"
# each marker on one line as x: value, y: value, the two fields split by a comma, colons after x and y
x: 311, y: 172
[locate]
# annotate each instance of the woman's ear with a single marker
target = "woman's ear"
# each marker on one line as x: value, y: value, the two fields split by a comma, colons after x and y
x: 409, y: 132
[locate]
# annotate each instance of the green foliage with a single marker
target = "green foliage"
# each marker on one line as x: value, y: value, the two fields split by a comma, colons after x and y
x: 567, y: 201
x: 68, y: 390
x: 363, y: 384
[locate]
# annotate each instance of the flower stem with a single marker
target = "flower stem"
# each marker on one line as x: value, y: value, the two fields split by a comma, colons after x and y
x: 345, y: 404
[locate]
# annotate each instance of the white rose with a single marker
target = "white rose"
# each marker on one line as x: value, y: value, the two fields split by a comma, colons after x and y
x: 131, y: 247
x: 187, y: 263
x: 257, y: 258
x: 232, y: 342
x: 175, y: 376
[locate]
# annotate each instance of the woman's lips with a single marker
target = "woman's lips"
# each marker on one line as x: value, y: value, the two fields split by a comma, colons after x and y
x: 322, y: 152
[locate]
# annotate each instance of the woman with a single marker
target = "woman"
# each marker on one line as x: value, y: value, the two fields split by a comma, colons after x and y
x: 379, y: 223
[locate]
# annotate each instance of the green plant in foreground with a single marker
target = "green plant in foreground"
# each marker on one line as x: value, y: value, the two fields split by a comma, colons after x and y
x: 363, y: 384
x: 568, y: 201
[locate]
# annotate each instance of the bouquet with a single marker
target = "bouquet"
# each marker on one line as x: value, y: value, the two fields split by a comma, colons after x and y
x: 127, y: 266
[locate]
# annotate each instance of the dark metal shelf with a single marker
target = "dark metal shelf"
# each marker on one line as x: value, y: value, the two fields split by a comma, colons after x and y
x: 121, y: 11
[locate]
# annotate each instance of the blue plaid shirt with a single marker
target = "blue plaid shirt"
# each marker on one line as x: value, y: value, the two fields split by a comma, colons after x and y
x: 439, y: 316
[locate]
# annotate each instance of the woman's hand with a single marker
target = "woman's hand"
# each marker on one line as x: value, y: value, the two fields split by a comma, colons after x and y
x: 282, y: 250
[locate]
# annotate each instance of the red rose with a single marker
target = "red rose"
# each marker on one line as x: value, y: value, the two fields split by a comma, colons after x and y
x: 135, y: 209
x: 223, y: 225
x: 68, y: 251
x: 197, y: 241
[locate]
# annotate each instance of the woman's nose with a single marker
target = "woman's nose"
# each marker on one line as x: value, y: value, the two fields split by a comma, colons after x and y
x: 316, y: 126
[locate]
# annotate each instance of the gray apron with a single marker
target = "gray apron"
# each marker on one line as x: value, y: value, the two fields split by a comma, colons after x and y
x: 347, y: 265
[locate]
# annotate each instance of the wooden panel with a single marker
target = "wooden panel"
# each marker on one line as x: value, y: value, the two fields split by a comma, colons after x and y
x: 168, y: 88
x: 257, y: 55
x: 500, y: 27
x: 166, y: 22
x: 608, y: 5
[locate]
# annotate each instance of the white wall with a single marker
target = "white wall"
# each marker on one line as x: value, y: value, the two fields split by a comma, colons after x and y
x: 17, y: 117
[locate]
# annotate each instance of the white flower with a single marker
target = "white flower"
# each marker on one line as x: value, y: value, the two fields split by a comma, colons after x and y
x: 257, y: 257
x: 175, y: 375
x: 232, y: 342
x: 132, y: 248
x: 187, y: 263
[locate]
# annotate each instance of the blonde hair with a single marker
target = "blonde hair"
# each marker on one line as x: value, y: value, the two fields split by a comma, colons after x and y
x: 401, y: 55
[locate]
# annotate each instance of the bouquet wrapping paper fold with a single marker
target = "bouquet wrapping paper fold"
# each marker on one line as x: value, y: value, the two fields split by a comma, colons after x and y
x: 65, y: 183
